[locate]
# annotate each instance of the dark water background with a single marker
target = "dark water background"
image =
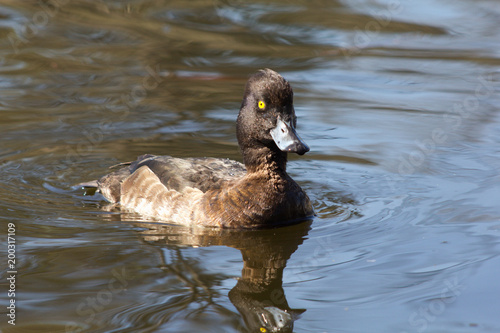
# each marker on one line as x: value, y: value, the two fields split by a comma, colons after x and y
x: 398, y: 100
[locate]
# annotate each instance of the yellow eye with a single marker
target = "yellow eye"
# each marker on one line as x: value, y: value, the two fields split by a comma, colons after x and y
x: 262, y: 329
x: 262, y: 105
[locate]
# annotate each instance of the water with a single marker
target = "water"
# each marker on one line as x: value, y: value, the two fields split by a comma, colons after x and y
x: 398, y: 101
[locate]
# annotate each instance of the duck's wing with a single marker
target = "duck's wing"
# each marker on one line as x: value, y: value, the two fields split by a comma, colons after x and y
x: 200, y: 173
x: 110, y: 185
x: 175, y: 173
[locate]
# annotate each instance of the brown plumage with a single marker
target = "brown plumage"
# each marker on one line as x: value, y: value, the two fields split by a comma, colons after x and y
x: 220, y: 192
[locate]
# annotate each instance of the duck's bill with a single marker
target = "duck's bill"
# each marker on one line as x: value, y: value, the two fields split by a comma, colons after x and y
x: 287, y: 139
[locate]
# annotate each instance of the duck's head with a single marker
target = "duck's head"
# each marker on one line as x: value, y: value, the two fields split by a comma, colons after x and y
x: 267, y: 117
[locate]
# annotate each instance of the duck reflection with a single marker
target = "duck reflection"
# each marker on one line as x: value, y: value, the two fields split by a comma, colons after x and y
x: 258, y: 294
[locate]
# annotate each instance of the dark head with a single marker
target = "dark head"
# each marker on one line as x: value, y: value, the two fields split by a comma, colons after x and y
x: 266, y: 122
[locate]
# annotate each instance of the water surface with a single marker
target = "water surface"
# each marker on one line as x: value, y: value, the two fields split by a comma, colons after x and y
x: 398, y: 100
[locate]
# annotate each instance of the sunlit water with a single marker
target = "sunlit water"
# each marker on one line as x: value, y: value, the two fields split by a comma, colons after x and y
x: 398, y: 100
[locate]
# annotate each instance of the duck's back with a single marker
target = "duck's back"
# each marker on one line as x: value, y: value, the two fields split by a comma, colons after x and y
x: 176, y: 174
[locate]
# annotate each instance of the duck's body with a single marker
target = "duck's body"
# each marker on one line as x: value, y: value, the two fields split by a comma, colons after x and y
x: 220, y: 192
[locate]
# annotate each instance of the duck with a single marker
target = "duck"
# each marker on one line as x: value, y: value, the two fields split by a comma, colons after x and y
x: 222, y: 193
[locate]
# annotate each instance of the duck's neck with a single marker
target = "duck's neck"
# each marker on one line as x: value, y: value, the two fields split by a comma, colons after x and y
x: 265, y: 159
